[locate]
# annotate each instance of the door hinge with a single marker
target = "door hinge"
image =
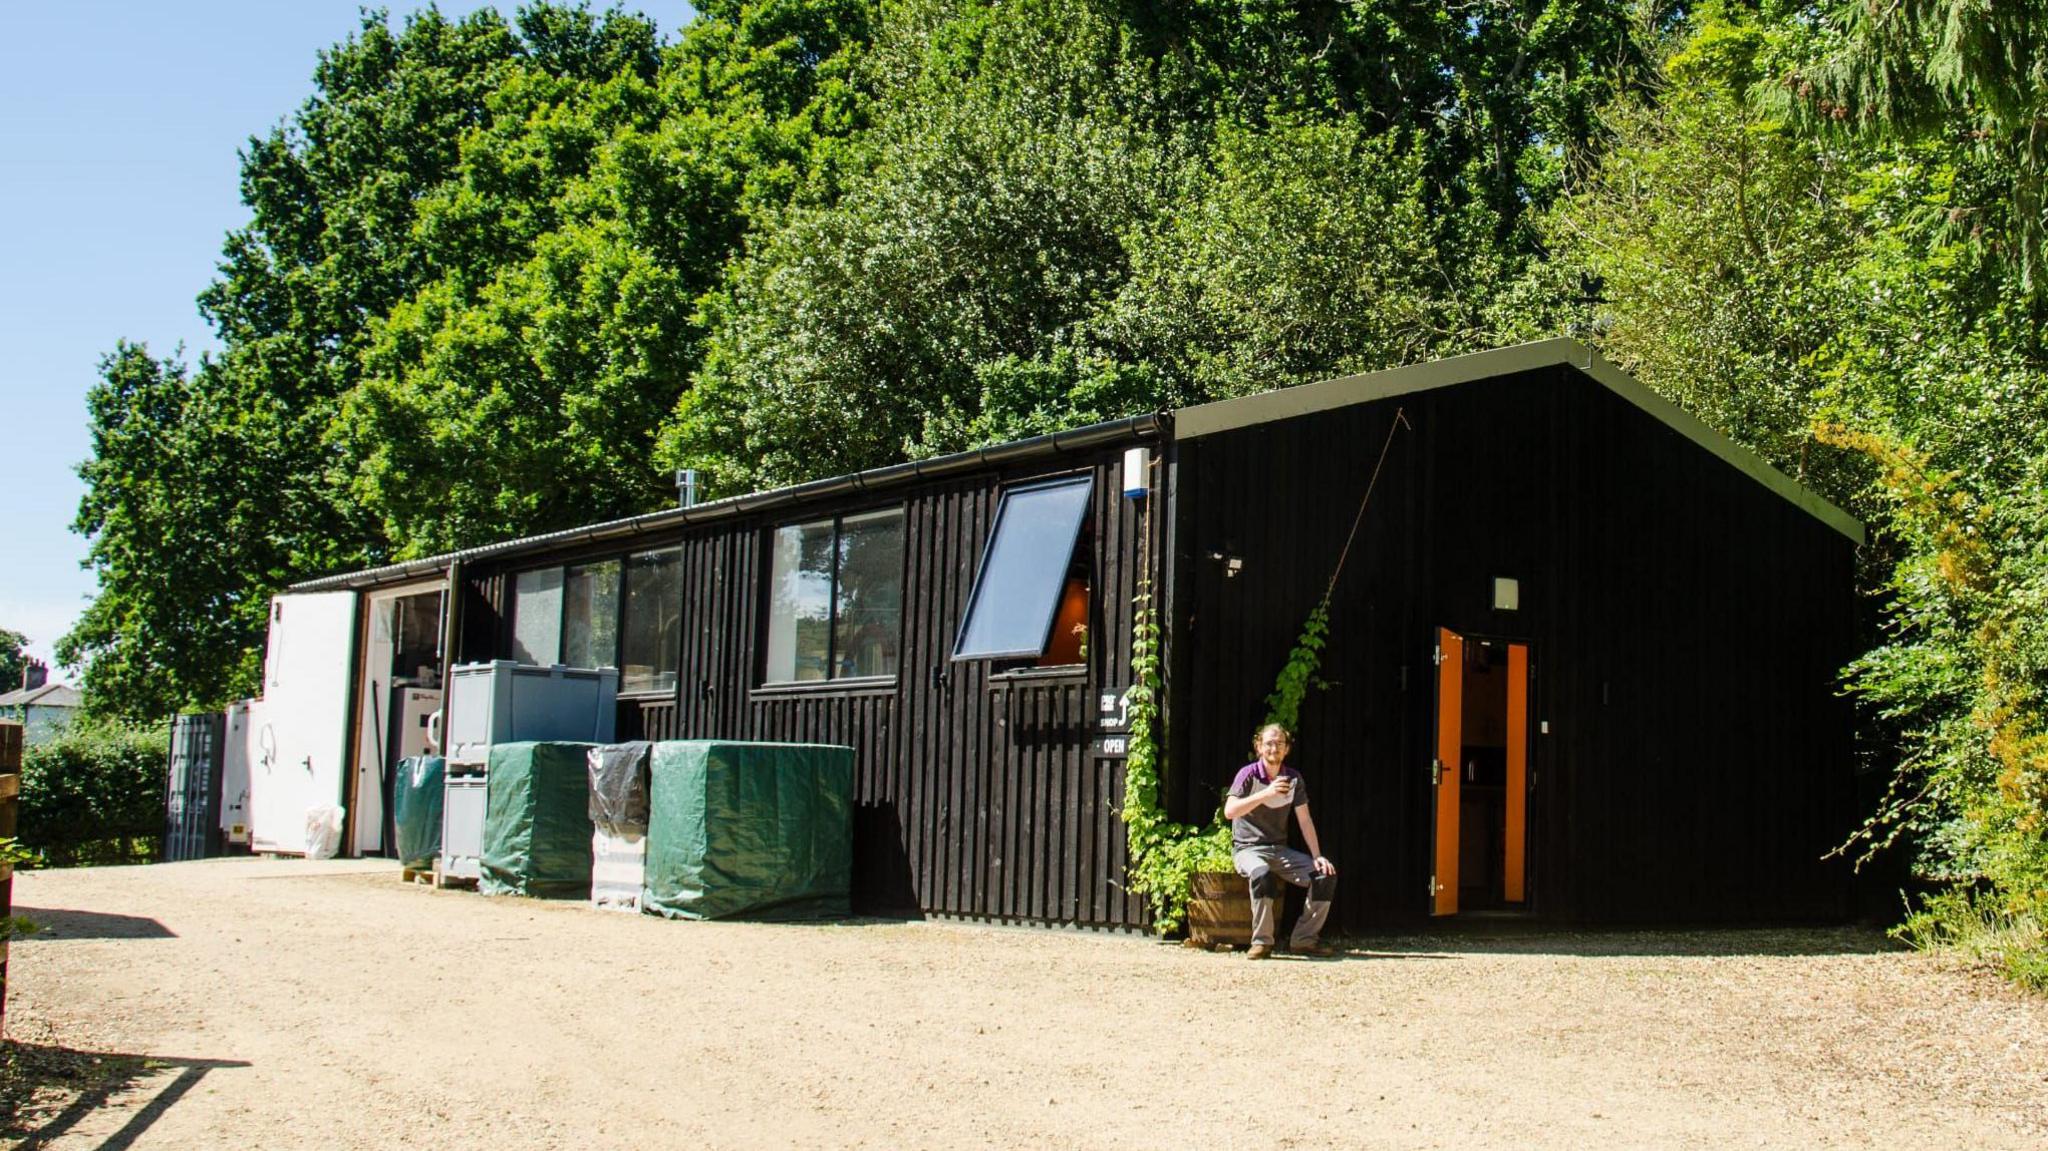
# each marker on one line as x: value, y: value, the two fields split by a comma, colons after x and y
x: 1436, y: 655
x: 1432, y: 887
x: 1436, y: 775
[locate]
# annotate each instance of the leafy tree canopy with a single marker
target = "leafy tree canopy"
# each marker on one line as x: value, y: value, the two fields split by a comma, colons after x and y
x: 13, y: 658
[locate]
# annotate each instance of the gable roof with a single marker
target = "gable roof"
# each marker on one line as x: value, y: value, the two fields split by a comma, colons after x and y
x: 48, y: 695
x: 1305, y: 399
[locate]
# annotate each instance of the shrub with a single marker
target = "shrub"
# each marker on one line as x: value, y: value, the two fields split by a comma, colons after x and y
x: 1984, y: 929
x: 95, y: 793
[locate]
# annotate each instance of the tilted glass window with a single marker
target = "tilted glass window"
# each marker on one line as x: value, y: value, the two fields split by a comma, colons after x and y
x: 835, y: 599
x: 653, y: 638
x: 1024, y: 570
x: 537, y: 616
x: 590, y: 615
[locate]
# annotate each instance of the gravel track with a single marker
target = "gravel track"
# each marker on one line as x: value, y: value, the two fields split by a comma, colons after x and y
x: 281, y: 1003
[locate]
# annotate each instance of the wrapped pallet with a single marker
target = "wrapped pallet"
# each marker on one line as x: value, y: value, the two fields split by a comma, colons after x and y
x: 416, y: 810
x: 762, y: 830
x: 537, y: 821
x: 618, y: 812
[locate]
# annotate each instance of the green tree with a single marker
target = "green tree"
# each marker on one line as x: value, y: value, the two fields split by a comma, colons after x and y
x: 1303, y: 250
x: 211, y: 487
x: 13, y: 658
x: 522, y: 390
x: 980, y: 224
x: 181, y: 522
x: 1947, y: 70
x: 1721, y: 238
x: 495, y: 269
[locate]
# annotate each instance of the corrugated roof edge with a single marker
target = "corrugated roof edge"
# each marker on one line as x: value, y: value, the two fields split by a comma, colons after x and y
x: 1267, y: 407
x: 1131, y: 427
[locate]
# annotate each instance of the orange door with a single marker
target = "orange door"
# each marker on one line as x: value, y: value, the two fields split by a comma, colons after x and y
x: 1518, y: 773
x: 1450, y: 718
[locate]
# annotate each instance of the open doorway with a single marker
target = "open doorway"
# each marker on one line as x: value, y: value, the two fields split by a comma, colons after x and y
x: 398, y: 690
x: 1480, y: 776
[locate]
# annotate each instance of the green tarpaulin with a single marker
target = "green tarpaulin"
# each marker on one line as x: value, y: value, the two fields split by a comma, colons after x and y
x: 537, y: 821
x: 416, y: 810
x: 763, y: 830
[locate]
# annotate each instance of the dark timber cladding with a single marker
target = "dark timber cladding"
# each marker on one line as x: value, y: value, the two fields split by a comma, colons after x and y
x: 979, y: 793
x: 1685, y: 624
x: 1683, y: 610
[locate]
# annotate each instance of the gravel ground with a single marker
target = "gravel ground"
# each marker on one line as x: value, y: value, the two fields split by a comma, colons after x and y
x: 281, y: 1003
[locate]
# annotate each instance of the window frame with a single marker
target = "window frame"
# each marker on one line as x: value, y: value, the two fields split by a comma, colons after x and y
x: 625, y: 584
x: 851, y: 684
x: 618, y: 616
x: 1014, y: 665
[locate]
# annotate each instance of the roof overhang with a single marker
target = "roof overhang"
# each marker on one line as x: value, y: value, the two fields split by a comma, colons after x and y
x: 1307, y: 399
x: 874, y: 479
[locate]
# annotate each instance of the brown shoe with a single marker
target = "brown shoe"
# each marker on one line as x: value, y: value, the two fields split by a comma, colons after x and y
x: 1260, y: 951
x: 1318, y: 950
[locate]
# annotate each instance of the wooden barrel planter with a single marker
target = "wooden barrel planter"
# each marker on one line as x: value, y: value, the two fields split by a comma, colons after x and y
x: 1219, y: 910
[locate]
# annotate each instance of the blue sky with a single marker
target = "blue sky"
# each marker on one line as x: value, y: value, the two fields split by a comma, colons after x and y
x: 120, y: 125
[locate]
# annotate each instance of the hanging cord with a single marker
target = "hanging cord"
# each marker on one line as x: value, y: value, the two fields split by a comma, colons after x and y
x: 1400, y: 421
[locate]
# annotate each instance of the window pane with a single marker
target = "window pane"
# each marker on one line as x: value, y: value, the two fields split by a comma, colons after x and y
x: 590, y: 615
x: 654, y: 621
x: 870, y: 603
x: 416, y: 627
x: 1010, y: 610
x: 1069, y: 641
x: 537, y: 616
x: 799, y: 603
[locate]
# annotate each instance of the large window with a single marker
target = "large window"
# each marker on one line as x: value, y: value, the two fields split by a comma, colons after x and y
x: 609, y: 613
x: 590, y: 615
x: 537, y: 616
x: 653, y: 639
x: 1031, y: 597
x: 835, y: 599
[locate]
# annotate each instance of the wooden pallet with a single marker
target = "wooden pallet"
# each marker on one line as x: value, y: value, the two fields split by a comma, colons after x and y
x: 441, y: 880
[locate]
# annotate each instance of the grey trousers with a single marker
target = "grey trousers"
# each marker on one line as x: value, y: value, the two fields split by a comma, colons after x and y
x: 1262, y: 866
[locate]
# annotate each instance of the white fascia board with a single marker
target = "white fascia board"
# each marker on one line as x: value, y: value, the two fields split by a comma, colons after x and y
x: 1307, y: 399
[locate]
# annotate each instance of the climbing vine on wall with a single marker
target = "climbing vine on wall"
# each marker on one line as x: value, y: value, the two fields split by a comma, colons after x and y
x: 1298, y: 674
x: 1165, y: 855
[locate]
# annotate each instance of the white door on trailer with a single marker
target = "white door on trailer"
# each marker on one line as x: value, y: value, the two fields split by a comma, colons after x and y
x: 304, y: 737
x: 373, y: 759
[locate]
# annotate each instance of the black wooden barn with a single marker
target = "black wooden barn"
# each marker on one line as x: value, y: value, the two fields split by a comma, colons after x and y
x: 1581, y: 660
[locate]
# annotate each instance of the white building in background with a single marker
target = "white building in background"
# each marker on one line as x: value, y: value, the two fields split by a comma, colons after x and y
x: 43, y: 711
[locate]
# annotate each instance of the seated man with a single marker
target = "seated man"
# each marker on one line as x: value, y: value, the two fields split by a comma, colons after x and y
x: 1260, y: 798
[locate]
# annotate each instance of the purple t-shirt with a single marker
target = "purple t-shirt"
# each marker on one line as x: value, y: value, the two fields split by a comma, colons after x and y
x: 1265, y: 825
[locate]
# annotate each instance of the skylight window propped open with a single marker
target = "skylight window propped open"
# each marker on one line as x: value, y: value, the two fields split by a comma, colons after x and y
x: 1024, y: 570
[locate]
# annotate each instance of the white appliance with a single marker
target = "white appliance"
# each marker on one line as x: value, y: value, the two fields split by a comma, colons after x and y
x: 238, y: 752
x: 414, y: 710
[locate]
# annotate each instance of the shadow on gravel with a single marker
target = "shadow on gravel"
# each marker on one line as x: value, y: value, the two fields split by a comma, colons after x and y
x: 57, y: 923
x: 1499, y: 939
x: 45, y: 1091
